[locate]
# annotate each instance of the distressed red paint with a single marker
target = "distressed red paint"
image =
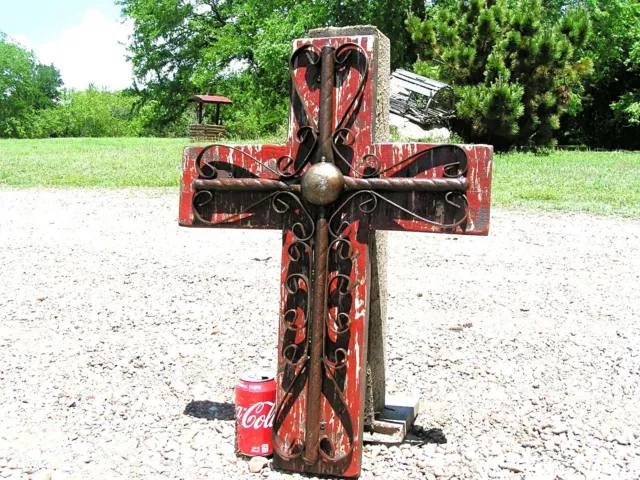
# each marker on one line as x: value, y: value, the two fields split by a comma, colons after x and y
x: 344, y: 430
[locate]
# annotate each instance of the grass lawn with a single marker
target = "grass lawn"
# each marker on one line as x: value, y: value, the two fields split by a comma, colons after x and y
x: 606, y: 183
x: 91, y: 162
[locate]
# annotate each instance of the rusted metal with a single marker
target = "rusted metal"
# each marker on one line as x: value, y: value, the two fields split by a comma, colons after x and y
x: 327, y: 213
x: 369, y: 201
x: 325, y: 114
x: 407, y: 184
x: 322, y: 184
x: 319, y: 302
x: 244, y: 184
x: 346, y: 183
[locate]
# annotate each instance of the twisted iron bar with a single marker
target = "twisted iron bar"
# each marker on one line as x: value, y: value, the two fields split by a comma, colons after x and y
x: 397, y: 184
x: 320, y: 365
x: 317, y: 336
x: 243, y: 184
x: 394, y: 184
x: 338, y: 324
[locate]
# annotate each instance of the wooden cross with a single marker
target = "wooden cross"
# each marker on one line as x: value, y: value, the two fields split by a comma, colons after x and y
x: 329, y: 188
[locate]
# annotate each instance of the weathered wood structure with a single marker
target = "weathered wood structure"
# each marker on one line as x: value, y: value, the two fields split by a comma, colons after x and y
x: 424, y: 101
x: 329, y: 188
x: 208, y: 131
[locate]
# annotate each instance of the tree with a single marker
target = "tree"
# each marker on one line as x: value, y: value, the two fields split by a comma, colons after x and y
x: 88, y: 113
x: 26, y: 86
x: 239, y: 48
x: 611, y: 114
x: 514, y: 70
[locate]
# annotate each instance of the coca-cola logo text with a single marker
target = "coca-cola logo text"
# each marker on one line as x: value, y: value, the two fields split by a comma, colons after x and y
x: 258, y: 415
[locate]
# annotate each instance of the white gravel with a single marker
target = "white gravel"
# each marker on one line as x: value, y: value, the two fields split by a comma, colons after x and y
x: 115, y: 323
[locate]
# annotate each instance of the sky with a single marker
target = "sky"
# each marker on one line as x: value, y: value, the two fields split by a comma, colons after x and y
x: 82, y: 38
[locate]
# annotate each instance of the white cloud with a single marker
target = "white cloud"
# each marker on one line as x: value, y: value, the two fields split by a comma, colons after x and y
x: 91, y: 52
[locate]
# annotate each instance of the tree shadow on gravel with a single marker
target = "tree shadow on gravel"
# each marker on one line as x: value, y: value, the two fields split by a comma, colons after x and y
x: 210, y: 410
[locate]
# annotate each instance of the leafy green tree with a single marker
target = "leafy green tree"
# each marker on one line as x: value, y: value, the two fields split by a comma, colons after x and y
x: 239, y: 48
x: 88, y: 113
x: 611, y: 114
x: 26, y: 87
x: 388, y: 15
x: 515, y: 72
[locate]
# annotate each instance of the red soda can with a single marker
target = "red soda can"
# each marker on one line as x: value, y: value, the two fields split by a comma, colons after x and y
x: 255, y: 411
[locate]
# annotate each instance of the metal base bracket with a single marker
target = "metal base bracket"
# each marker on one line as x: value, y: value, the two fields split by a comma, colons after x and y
x: 393, y: 424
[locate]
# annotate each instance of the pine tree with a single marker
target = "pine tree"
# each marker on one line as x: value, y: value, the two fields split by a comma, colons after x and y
x: 515, y: 72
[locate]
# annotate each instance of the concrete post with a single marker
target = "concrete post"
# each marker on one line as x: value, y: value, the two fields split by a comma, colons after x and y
x: 376, y: 357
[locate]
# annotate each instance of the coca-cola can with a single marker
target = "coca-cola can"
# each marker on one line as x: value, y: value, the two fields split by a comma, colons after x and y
x: 255, y: 410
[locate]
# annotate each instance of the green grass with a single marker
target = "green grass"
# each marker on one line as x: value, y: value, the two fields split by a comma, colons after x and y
x: 605, y: 183
x: 91, y: 162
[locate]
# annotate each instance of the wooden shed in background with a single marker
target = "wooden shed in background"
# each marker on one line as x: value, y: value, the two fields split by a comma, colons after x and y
x: 208, y: 131
x: 424, y: 101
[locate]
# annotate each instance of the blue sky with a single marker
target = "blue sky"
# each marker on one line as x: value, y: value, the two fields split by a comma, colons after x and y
x: 83, y: 38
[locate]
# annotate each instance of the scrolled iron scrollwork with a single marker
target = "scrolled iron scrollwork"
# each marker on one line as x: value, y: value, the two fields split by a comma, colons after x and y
x: 341, y: 320
x: 343, y: 135
x: 285, y: 162
x: 213, y: 171
x: 294, y: 448
x: 292, y: 287
x: 313, y: 56
x: 370, y: 166
x: 338, y: 324
x: 277, y: 202
x: 372, y: 198
x: 344, y: 283
x: 326, y: 446
x: 342, y: 54
x: 450, y: 170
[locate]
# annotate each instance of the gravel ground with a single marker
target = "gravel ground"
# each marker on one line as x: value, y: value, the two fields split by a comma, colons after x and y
x: 121, y: 337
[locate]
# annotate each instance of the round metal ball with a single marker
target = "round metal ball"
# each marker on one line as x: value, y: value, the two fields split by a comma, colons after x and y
x: 322, y: 184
